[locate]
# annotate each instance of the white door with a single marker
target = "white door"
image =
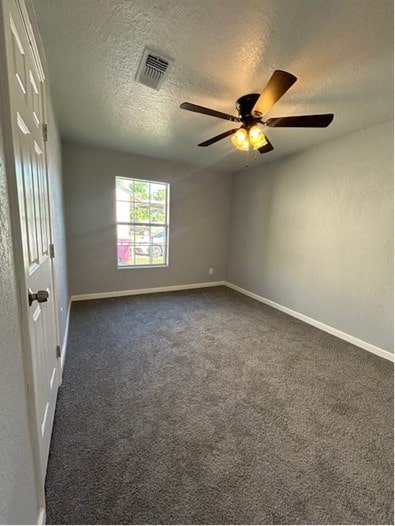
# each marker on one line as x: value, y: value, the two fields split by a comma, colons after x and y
x: 27, y: 104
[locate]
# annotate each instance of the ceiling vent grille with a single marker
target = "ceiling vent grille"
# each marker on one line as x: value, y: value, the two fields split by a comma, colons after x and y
x: 153, y: 69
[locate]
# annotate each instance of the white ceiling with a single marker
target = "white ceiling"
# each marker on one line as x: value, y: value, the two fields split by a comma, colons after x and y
x: 340, y: 50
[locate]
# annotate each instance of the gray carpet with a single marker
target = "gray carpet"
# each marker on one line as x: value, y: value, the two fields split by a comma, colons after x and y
x: 206, y: 407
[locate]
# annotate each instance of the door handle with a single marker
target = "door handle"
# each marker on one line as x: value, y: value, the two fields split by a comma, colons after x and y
x: 41, y: 296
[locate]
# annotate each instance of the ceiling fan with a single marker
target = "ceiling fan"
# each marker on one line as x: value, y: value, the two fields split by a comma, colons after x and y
x: 252, y: 108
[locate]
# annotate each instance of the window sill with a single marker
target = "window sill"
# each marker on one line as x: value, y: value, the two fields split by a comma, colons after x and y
x: 134, y: 267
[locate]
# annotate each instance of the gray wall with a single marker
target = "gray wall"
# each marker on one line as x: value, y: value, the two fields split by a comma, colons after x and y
x: 199, y: 216
x: 314, y: 232
x: 18, y: 499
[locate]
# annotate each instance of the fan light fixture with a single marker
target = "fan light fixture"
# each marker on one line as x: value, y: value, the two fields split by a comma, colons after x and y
x: 240, y: 138
x: 244, y: 138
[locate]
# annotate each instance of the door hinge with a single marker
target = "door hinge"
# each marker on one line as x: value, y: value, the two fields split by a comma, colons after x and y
x: 58, y: 351
x: 45, y: 132
x: 52, y: 250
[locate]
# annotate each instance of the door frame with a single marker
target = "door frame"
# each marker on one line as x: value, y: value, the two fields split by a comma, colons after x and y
x: 21, y: 292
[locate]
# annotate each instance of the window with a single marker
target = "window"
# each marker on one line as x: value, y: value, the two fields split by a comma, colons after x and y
x: 142, y: 222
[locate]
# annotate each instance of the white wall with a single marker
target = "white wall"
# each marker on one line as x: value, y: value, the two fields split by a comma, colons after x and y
x: 314, y: 233
x: 199, y: 217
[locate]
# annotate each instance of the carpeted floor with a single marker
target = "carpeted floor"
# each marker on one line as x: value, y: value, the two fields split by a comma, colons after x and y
x: 207, y: 407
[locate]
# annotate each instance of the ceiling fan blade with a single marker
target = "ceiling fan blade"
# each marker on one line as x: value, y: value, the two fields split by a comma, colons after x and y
x: 206, y: 111
x: 279, y: 83
x: 301, y: 121
x: 218, y: 137
x: 267, y: 147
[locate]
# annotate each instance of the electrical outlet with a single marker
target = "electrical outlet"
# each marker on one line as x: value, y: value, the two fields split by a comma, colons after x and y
x: 211, y: 271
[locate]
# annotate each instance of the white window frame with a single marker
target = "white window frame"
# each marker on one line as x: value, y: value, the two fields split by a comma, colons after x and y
x: 165, y: 225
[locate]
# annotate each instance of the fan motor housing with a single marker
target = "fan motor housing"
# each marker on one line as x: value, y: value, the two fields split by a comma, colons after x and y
x: 245, y: 104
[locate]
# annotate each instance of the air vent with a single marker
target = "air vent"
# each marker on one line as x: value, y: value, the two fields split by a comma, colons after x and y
x: 153, y: 69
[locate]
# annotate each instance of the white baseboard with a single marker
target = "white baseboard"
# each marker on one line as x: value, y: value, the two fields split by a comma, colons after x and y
x: 66, y: 334
x: 134, y: 292
x: 315, y: 323
x: 41, y: 516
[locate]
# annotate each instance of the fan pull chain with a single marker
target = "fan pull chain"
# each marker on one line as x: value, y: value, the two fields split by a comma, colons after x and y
x: 248, y: 153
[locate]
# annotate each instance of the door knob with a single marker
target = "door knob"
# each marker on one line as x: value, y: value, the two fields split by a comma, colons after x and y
x: 40, y: 296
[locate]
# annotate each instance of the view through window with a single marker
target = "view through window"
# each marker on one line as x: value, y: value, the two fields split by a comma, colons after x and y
x: 142, y: 222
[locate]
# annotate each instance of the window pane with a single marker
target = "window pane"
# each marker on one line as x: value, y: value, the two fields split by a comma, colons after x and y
x: 123, y: 211
x: 158, y: 192
x: 124, y: 246
x: 123, y: 183
x: 141, y: 190
x: 153, y: 246
x: 140, y: 213
x: 158, y: 213
x: 140, y: 231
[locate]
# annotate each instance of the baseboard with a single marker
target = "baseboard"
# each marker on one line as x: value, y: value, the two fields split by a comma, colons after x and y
x: 134, y: 292
x: 41, y: 516
x: 315, y: 323
x: 66, y: 334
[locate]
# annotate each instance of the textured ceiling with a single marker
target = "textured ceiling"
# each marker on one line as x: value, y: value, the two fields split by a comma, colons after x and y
x: 340, y: 50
